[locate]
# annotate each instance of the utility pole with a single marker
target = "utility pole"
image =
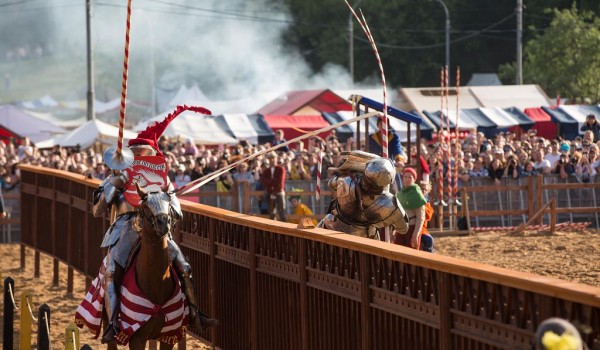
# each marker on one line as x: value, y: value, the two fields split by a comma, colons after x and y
x: 91, y: 114
x: 447, y: 13
x: 519, y: 9
x: 351, y: 43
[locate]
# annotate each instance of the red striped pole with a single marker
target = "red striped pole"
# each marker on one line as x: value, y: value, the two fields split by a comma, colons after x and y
x: 455, y: 194
x: 384, y: 132
x: 447, y: 150
x: 441, y: 140
x: 124, y: 82
x: 319, y: 166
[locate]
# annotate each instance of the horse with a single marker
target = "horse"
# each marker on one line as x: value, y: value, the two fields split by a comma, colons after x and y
x: 153, y: 275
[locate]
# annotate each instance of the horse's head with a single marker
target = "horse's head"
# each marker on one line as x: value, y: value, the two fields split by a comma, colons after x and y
x: 155, y: 211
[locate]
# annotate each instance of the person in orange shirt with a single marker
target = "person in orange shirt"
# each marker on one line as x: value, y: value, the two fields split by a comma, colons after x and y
x: 426, y: 238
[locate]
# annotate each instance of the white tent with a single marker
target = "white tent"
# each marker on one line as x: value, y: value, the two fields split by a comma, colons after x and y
x: 204, y: 130
x: 87, y: 134
x: 24, y: 124
x: 506, y: 96
x: 578, y: 113
x: 500, y: 117
x: 191, y: 97
x: 241, y: 127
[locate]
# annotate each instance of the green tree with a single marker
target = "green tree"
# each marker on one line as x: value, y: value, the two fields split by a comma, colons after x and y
x: 564, y: 59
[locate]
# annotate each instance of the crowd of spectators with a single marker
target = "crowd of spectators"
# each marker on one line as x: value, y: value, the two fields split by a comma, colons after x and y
x: 506, y: 155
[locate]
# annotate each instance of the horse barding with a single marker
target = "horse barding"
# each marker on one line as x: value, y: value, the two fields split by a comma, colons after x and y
x: 153, y: 305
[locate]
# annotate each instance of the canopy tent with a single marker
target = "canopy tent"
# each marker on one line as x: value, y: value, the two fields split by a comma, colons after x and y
x: 343, y: 133
x: 265, y: 133
x: 543, y: 122
x: 427, y: 127
x: 202, y: 129
x: 525, y: 122
x: 304, y: 103
x: 483, y: 123
x: 578, y: 112
x: 297, y: 125
x: 468, y: 119
x: 191, y: 97
x: 504, y: 96
x: 87, y: 134
x: 500, y: 117
x: 16, y: 123
x: 252, y: 128
x: 347, y: 115
x: 568, y: 128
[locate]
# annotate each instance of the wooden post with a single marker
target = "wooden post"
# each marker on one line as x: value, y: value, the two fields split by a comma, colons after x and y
x: 43, y: 338
x: 540, y: 194
x: 445, y: 319
x: 465, y: 203
x: 303, y: 267
x: 8, y: 315
x: 26, y: 321
x: 365, y: 300
x: 71, y: 337
x: 537, y: 215
x: 55, y: 242
x: 553, y: 216
x: 530, y: 201
x: 253, y: 289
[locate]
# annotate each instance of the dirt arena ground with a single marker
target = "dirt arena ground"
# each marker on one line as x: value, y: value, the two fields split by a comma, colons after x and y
x: 566, y: 255
x: 570, y: 256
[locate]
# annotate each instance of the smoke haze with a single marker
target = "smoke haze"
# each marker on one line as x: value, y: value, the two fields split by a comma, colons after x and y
x: 232, y: 49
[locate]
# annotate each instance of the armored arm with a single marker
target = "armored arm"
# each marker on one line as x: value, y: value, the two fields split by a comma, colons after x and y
x: 398, y: 218
x: 107, y: 193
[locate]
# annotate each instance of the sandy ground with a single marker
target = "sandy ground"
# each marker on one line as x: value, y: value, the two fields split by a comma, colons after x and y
x: 565, y: 255
x: 569, y: 256
x: 62, y: 306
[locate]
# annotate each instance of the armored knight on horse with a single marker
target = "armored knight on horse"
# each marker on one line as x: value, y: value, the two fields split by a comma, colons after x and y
x: 119, y: 193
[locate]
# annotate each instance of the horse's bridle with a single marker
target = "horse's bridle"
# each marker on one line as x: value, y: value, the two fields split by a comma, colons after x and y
x: 152, y: 218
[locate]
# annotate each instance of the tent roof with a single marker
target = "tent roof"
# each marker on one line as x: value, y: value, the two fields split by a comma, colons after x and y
x: 504, y: 96
x: 203, y: 129
x: 537, y: 114
x: 302, y: 102
x: 252, y: 128
x: 304, y: 122
x: 428, y: 98
x: 343, y: 132
x: 90, y: 132
x: 484, y: 79
x: 191, y: 96
x: 500, y: 117
x: 265, y: 133
x: 524, y: 120
x: 23, y: 124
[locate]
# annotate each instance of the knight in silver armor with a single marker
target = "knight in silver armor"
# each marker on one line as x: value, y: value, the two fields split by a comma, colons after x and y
x: 122, y: 236
x: 362, y: 201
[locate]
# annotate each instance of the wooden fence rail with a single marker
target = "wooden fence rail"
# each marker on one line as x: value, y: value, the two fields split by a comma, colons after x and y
x: 274, y: 286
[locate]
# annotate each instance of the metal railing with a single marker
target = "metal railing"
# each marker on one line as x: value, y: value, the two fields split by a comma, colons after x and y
x: 274, y: 286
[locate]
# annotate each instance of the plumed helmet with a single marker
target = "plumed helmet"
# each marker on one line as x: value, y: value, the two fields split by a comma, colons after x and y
x: 149, y: 136
x: 380, y: 172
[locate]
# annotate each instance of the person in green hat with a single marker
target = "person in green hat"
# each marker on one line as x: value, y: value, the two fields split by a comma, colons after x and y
x: 412, y: 200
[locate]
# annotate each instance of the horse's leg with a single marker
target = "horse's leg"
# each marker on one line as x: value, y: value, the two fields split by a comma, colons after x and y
x: 165, y: 346
x: 137, y: 342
